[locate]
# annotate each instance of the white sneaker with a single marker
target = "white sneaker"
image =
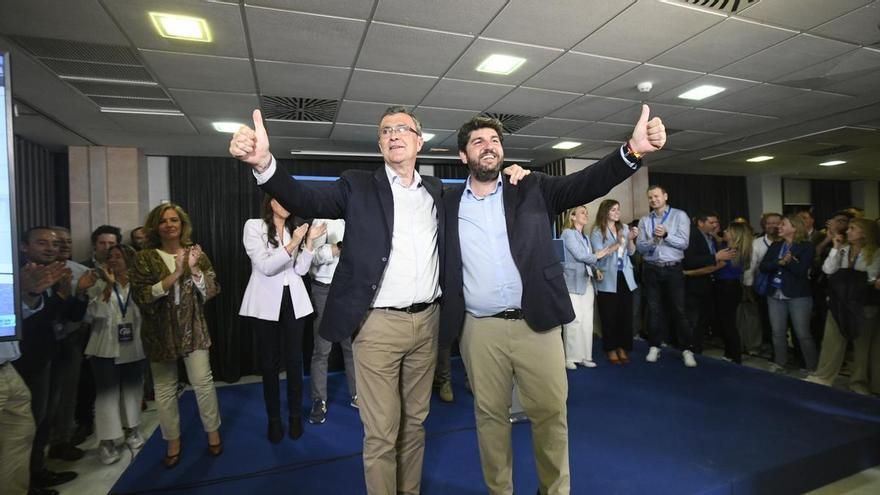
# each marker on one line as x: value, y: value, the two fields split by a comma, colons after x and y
x: 570, y: 365
x: 815, y: 379
x: 588, y: 364
x: 134, y: 439
x: 108, y: 452
x: 653, y: 354
x: 688, y: 357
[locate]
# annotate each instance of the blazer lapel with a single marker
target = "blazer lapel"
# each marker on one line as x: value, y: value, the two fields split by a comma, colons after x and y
x: 386, y: 198
x: 508, y: 192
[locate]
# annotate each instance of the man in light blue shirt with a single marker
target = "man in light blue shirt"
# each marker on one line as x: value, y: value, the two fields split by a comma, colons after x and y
x: 665, y: 233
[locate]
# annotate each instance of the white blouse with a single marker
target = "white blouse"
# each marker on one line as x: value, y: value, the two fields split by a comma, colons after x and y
x: 106, y: 318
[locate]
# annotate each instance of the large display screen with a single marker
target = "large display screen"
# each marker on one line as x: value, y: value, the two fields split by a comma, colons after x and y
x: 8, y: 258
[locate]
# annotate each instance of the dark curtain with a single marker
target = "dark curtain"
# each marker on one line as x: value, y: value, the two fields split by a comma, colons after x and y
x: 725, y: 195
x: 829, y: 196
x: 42, y: 190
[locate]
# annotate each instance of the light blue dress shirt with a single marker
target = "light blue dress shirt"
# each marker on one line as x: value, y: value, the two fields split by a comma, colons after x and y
x: 492, y: 282
x: 671, y: 248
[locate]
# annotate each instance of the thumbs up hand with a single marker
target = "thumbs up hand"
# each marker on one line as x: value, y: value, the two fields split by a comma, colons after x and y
x: 252, y: 145
x: 648, y: 135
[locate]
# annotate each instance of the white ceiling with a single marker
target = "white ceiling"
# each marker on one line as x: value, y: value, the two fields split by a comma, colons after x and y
x: 801, y: 77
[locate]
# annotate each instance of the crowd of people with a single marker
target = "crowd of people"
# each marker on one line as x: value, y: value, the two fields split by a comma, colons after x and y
x: 134, y: 311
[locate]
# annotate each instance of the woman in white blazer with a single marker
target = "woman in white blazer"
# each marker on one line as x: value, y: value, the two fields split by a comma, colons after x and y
x: 614, y: 292
x: 276, y: 303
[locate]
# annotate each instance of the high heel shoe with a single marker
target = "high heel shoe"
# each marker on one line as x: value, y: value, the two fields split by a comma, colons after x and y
x: 624, y: 357
x: 613, y: 357
x: 173, y: 460
x: 217, y: 448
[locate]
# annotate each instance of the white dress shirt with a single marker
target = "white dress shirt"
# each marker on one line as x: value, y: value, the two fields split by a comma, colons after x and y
x: 324, y: 263
x: 759, y: 249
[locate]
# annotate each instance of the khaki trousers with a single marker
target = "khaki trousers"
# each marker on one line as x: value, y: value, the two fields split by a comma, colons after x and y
x: 394, y: 357
x: 16, y: 432
x: 494, y: 351
x: 198, y: 369
x: 865, y: 371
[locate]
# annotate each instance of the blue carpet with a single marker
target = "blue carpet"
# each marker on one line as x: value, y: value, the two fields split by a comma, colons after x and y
x: 662, y: 428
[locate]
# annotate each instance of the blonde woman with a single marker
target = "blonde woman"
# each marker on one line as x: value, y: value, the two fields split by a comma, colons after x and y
x: 579, y: 268
x: 728, y: 285
x: 171, y: 281
x: 857, y: 251
x: 787, y: 263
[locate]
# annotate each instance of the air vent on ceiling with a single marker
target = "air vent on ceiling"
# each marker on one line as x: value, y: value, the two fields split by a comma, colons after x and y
x: 727, y: 6
x: 303, y: 109
x: 136, y: 103
x: 75, y: 50
x: 119, y: 90
x: 512, y: 122
x: 834, y: 150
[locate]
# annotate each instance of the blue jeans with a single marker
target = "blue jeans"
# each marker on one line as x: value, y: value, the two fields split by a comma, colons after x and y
x: 799, y: 308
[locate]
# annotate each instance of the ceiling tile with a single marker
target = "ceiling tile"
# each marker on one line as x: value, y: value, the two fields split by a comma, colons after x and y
x: 284, y: 128
x: 443, y: 118
x: 368, y: 85
x: 526, y: 141
x: 457, y: 16
x: 76, y: 20
x: 722, y: 44
x: 663, y: 79
x: 669, y: 26
x: 456, y: 93
x: 730, y: 86
x: 859, y: 26
x: 689, y: 140
x: 631, y: 114
x: 590, y: 107
x: 342, y: 8
x: 698, y: 119
x: 536, y: 59
x: 579, y: 72
x: 309, y: 81
x: 216, y: 104
x: 840, y: 69
x: 287, y: 36
x: 807, y: 13
x: 562, y: 22
x: 410, y: 50
x: 224, y: 22
x: 604, y: 131
x: 806, y: 103
x: 204, y: 72
x: 359, y: 112
x: 356, y: 132
x: 165, y: 124
x: 791, y: 55
x: 553, y: 127
x: 753, y: 100
x: 534, y: 102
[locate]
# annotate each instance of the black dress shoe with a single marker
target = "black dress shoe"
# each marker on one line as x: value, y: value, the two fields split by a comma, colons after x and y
x: 46, y: 478
x: 295, y: 427
x: 66, y: 452
x: 275, y: 432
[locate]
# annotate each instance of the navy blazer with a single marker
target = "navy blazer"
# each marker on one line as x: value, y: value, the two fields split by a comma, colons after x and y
x: 365, y: 201
x: 698, y: 255
x: 529, y: 209
x: 795, y: 281
x: 38, y: 341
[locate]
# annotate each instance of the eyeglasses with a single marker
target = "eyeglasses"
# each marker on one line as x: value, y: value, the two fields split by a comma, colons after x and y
x: 398, y: 129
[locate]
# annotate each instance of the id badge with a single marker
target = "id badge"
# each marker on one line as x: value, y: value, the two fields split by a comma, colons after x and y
x: 777, y: 281
x: 619, y: 264
x: 125, y: 332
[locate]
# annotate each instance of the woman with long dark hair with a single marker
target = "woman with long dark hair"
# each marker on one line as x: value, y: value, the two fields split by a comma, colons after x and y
x: 615, y: 300
x: 787, y: 263
x: 171, y: 281
x: 729, y: 288
x: 276, y: 303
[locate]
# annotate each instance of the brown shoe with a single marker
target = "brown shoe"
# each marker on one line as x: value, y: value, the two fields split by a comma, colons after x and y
x: 173, y: 460
x: 624, y: 357
x: 613, y: 357
x: 217, y: 448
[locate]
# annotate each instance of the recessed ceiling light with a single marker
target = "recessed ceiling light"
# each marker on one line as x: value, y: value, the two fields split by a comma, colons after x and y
x: 427, y: 136
x: 758, y: 159
x: 566, y: 145
x: 832, y: 163
x: 701, y: 92
x: 181, y: 27
x: 500, y: 64
x: 230, y: 127
x: 438, y: 150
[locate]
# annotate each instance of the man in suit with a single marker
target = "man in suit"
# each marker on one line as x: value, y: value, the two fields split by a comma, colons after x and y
x: 701, y: 259
x: 385, y: 289
x: 506, y: 295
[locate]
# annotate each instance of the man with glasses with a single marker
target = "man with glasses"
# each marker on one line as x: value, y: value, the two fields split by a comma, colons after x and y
x: 385, y: 289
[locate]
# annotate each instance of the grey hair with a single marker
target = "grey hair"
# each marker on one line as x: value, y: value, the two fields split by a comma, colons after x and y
x: 401, y: 109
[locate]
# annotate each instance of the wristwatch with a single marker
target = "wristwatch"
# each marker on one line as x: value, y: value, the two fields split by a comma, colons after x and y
x: 631, y: 154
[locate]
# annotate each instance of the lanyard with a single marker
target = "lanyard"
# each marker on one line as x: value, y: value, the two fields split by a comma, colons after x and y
x: 665, y: 216
x: 785, y: 249
x: 122, y: 307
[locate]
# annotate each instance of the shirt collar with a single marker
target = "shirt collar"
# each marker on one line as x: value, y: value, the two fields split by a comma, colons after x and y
x: 467, y: 188
x: 394, y: 178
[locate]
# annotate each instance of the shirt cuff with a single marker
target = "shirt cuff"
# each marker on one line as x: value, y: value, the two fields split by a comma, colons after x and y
x: 267, y: 174
x: 632, y: 165
x: 157, y: 291
x: 200, y: 285
x: 27, y: 312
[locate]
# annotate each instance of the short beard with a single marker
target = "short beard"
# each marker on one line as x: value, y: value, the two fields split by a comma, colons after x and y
x: 482, y: 174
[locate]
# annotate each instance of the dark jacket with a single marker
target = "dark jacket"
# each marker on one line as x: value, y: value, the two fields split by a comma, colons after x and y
x: 795, y: 282
x: 365, y: 201
x: 529, y: 208
x: 698, y: 255
x: 38, y: 334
